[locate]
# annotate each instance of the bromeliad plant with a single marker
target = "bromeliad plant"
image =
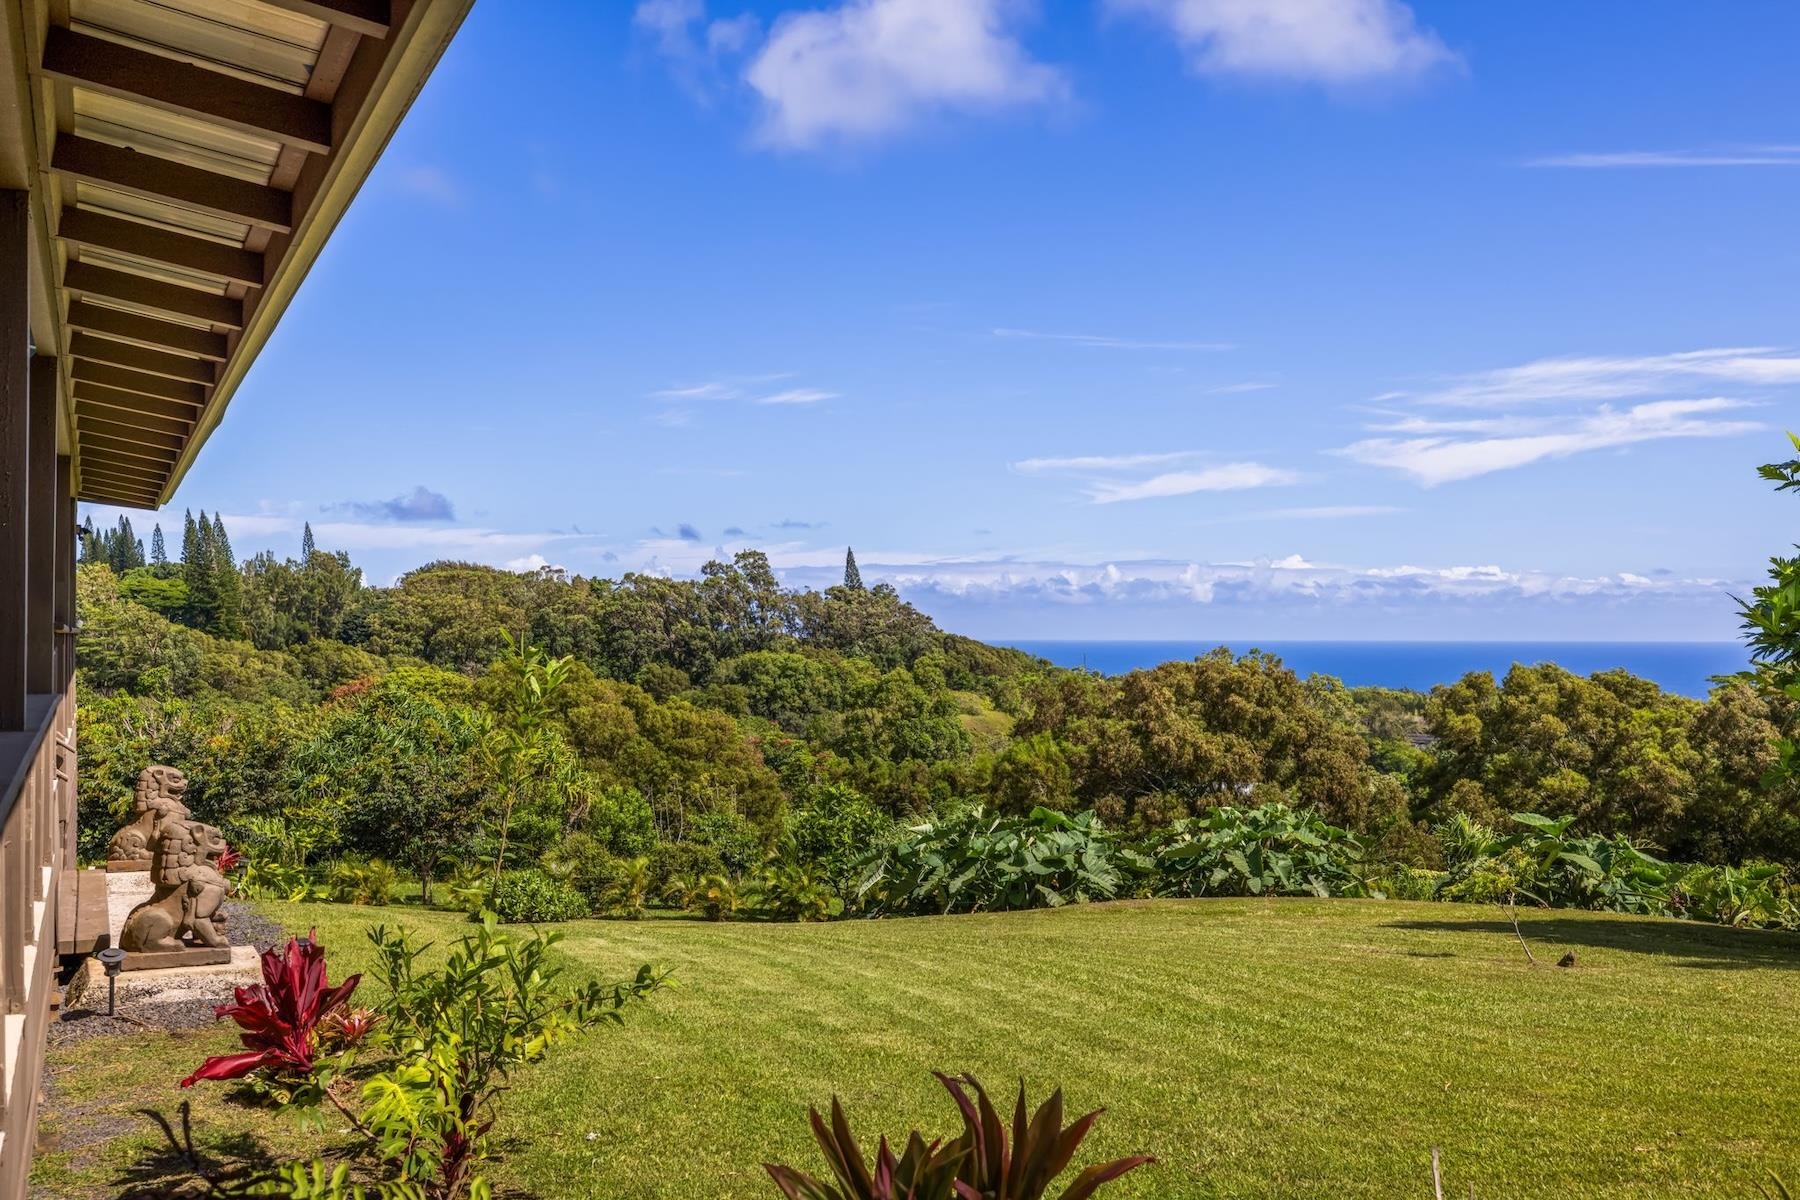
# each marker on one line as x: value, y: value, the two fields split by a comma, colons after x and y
x: 419, y: 1077
x: 985, y: 1163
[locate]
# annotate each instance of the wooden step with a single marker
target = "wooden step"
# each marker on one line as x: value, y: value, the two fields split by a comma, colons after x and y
x: 82, y: 922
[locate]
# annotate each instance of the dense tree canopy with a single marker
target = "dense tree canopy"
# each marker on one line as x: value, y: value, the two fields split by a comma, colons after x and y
x: 714, y: 719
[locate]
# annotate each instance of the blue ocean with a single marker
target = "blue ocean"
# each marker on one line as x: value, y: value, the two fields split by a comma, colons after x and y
x: 1684, y: 667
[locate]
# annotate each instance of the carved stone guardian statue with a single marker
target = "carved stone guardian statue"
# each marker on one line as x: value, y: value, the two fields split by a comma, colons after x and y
x: 180, y: 924
x: 157, y: 798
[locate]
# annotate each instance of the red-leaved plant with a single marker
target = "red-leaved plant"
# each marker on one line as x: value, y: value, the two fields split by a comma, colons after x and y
x: 280, y: 1016
x: 228, y: 859
x: 983, y: 1164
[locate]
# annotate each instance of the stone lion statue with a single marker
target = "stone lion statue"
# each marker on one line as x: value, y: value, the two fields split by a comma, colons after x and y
x: 184, y: 868
x: 156, y: 799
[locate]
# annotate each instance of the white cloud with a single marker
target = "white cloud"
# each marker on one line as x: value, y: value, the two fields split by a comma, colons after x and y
x: 751, y: 389
x: 1323, y: 41
x: 1729, y: 156
x: 1562, y: 380
x: 866, y: 69
x: 1228, y: 477
x: 797, y: 396
x: 1111, y: 343
x: 1238, y: 389
x: 1100, y: 462
x: 1114, y: 478
x: 1291, y: 582
x: 1442, y: 459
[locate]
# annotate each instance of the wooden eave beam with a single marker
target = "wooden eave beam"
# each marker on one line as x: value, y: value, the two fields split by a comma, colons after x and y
x: 86, y: 410
x: 124, y: 448
x: 90, y: 279
x: 120, y: 499
x: 90, y: 348
x: 127, y: 430
x: 85, y: 228
x: 149, y: 483
x: 111, y: 378
x: 131, y: 402
x: 115, y: 69
x: 126, y: 469
x: 163, y: 335
x: 371, y: 18
x: 161, y: 179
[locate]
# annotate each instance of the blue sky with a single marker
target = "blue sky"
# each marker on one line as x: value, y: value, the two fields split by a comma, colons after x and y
x: 1083, y: 318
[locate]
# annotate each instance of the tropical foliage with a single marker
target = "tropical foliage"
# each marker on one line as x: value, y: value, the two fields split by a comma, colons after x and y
x: 986, y: 1162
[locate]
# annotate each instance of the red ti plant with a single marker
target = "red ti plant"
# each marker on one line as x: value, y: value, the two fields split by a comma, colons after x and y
x: 280, y: 1016
x: 228, y: 859
x: 983, y: 1164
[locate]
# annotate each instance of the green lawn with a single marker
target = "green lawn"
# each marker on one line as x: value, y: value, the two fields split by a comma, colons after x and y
x: 1282, y: 1048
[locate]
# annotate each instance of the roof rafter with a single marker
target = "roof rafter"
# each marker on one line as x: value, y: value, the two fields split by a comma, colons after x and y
x: 164, y: 335
x: 88, y: 347
x: 84, y: 227
x: 162, y: 179
x: 172, y: 391
x: 115, y: 69
x: 371, y: 18
x: 90, y: 279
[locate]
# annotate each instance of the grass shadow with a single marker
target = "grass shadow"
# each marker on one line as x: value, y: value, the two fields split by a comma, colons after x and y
x: 1696, y: 945
x: 178, y: 1166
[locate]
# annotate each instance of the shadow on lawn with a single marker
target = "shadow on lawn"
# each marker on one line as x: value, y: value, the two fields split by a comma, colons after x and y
x: 1704, y: 947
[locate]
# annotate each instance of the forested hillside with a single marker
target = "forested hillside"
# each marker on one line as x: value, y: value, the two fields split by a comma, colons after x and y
x: 708, y: 723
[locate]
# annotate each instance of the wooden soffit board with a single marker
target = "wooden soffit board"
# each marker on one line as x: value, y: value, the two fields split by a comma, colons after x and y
x: 187, y: 161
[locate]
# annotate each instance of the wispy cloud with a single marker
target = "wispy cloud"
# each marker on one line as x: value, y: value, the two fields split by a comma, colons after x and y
x: 1317, y: 41
x: 1561, y: 380
x: 431, y: 183
x: 1105, y: 342
x: 420, y: 504
x: 797, y: 396
x: 692, y: 46
x: 1443, y: 459
x: 1238, y: 389
x: 1227, y: 477
x: 1115, y: 478
x: 1101, y: 462
x: 862, y: 70
x: 749, y: 389
x: 1724, y: 156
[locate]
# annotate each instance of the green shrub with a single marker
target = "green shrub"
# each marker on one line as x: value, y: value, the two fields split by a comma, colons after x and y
x: 1408, y: 883
x: 975, y: 861
x: 1267, y: 850
x: 621, y: 820
x: 682, y: 860
x: 358, y: 881
x: 792, y: 892
x: 741, y: 845
x: 532, y: 896
x: 581, y: 861
x: 835, y: 831
x: 714, y: 897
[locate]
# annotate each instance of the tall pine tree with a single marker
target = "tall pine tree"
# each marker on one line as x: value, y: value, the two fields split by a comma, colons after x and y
x: 307, y: 546
x: 199, y: 572
x: 123, y: 550
x: 227, y: 584
x: 852, y: 576
x: 159, y: 553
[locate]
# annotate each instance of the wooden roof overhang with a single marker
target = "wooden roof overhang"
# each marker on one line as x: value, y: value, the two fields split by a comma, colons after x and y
x: 187, y: 160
